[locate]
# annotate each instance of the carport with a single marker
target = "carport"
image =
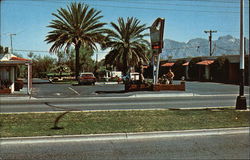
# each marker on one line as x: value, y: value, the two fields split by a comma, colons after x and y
x: 8, y: 72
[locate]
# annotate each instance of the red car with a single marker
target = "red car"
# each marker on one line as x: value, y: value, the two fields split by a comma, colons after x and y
x: 87, y: 78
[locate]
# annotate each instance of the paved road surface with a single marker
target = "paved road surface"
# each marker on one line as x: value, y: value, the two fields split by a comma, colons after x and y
x: 235, y: 146
x: 66, y: 96
x: 118, y: 103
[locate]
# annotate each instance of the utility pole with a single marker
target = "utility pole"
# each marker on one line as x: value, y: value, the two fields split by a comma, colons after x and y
x: 11, y: 46
x: 241, y: 99
x: 210, y: 40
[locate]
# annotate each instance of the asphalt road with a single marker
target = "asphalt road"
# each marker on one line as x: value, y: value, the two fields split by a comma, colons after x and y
x: 118, y: 103
x: 58, y: 97
x: 235, y: 146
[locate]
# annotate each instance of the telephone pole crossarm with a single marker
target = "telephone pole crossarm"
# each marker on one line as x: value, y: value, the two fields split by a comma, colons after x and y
x: 210, y: 39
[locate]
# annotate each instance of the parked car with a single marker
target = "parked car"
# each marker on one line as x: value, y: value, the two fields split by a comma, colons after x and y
x: 133, y: 76
x: 87, y: 78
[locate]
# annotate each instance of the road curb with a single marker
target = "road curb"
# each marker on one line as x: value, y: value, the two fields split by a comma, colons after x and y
x: 164, y: 95
x: 122, y: 136
x: 28, y: 99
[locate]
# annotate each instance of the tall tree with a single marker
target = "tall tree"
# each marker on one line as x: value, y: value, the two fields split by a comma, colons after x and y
x: 78, y: 25
x: 127, y: 43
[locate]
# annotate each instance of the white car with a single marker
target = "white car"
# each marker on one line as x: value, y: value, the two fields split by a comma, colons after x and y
x: 134, y: 76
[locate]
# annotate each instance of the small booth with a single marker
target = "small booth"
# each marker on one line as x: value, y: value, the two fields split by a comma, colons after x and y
x: 8, y: 73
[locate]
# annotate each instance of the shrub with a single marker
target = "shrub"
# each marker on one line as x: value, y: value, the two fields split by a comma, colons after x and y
x: 179, y: 69
x: 193, y: 68
x: 220, y: 69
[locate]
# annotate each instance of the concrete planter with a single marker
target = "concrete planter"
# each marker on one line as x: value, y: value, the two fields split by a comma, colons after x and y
x: 138, y: 87
x: 171, y: 87
x: 5, y: 91
x: 158, y: 87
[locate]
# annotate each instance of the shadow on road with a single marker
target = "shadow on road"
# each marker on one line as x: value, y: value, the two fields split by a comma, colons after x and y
x: 105, y: 92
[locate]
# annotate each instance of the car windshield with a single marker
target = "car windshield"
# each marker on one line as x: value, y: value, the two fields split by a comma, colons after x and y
x: 87, y: 75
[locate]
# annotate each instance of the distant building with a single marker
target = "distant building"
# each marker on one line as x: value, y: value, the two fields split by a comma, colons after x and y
x: 204, y: 67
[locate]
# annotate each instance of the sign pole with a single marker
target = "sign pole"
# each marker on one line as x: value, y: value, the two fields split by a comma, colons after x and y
x: 157, y: 68
x: 241, y: 99
x: 156, y: 36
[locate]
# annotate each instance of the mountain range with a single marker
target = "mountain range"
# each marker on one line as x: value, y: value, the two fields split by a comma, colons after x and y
x: 224, y: 45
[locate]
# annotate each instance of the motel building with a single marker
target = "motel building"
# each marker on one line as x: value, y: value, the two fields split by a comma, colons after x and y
x: 9, y: 82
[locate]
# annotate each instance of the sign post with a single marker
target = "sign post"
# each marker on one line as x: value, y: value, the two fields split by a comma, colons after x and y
x: 29, y: 91
x: 156, y: 36
x: 241, y: 103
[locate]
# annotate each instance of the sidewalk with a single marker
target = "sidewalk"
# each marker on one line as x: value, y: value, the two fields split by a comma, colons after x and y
x: 122, y: 136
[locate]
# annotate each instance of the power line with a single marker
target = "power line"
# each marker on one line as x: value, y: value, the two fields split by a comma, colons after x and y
x: 226, y: 49
x: 27, y: 50
x: 165, y: 9
x: 149, y: 8
x: 171, y: 4
x: 210, y: 39
x: 198, y: 46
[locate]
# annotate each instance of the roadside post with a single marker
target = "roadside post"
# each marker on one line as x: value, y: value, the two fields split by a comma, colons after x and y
x: 241, y: 99
x: 156, y: 37
x: 29, y: 90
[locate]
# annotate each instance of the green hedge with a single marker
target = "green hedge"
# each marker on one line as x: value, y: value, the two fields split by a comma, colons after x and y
x: 193, y: 68
x: 220, y: 69
x: 178, y: 69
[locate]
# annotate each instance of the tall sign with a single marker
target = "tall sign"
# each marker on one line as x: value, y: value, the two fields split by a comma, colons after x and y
x: 156, y: 37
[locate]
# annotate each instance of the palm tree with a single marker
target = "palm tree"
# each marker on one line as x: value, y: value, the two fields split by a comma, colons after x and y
x: 77, y: 25
x: 127, y: 43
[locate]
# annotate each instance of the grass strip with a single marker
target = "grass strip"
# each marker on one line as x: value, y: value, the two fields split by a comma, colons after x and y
x: 40, y: 124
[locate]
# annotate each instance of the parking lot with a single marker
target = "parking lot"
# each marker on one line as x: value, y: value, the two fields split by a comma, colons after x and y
x: 45, y: 89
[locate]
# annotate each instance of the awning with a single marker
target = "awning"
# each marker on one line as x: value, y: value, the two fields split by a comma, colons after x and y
x: 206, y: 62
x: 145, y: 67
x: 19, y: 59
x: 185, y: 64
x: 168, y: 64
x: 10, y: 59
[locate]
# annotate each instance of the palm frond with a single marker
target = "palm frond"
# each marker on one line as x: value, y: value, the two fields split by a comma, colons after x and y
x: 127, y: 39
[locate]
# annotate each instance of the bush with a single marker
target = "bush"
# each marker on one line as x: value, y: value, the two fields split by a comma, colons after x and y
x: 18, y: 85
x: 193, y: 68
x: 5, y: 84
x: 179, y: 69
x: 220, y: 69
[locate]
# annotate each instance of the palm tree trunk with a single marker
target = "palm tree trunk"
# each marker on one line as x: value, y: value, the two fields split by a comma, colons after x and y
x: 77, y: 48
x: 125, y: 63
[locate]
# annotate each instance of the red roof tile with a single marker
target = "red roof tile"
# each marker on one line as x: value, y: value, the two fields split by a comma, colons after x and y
x: 206, y: 62
x: 19, y: 59
x: 185, y: 64
x: 168, y: 64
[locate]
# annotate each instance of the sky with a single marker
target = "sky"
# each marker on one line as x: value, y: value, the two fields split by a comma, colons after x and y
x: 184, y: 19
